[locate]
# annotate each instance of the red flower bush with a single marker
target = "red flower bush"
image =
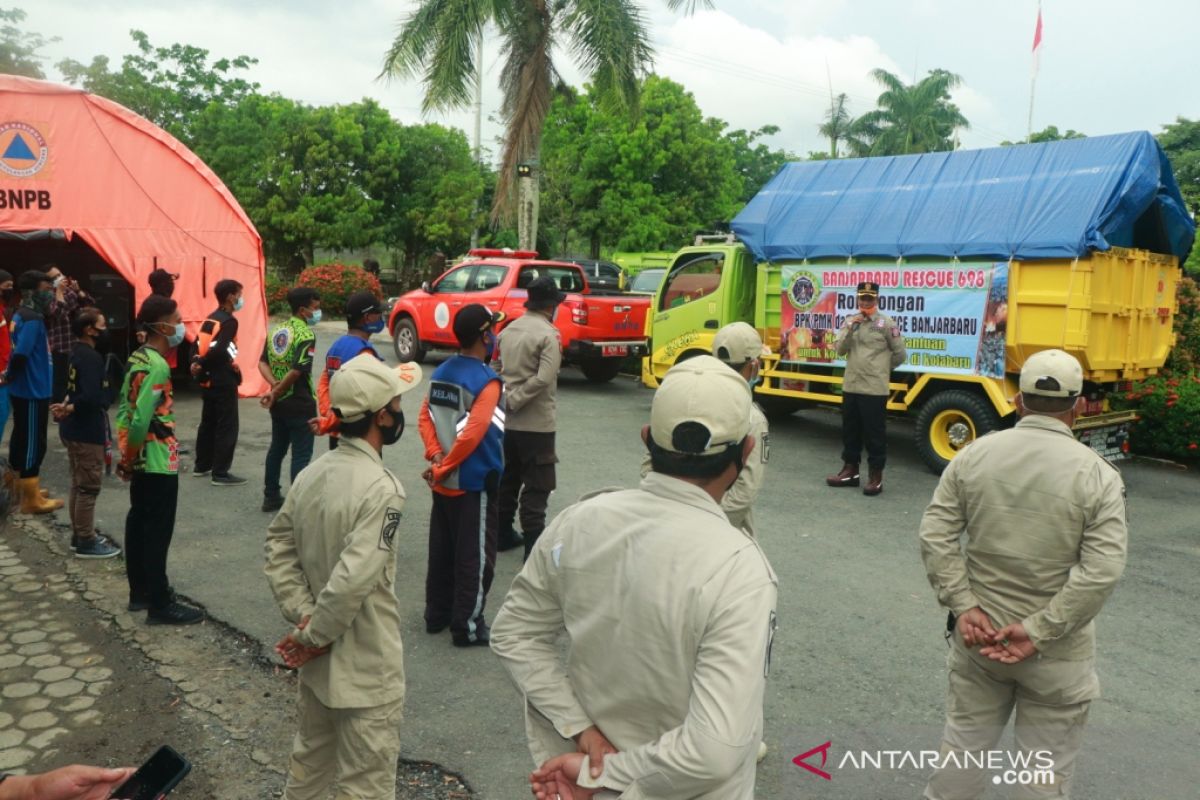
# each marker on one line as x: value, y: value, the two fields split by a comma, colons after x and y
x: 336, y: 282
x: 1169, y: 406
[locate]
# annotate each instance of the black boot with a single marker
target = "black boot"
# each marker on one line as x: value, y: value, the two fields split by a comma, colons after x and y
x: 272, y: 502
x: 509, y: 538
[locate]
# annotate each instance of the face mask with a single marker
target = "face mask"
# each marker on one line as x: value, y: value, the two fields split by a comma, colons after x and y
x: 757, y: 379
x: 392, y: 434
x: 42, y: 301
x: 490, y: 339
x: 9, y: 295
x: 739, y: 464
x: 176, y: 338
x: 315, y: 318
x: 373, y: 327
x: 237, y: 306
x: 103, y: 340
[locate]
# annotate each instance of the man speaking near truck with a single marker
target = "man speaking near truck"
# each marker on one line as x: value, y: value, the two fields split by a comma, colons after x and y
x: 1043, y: 516
x: 873, y: 346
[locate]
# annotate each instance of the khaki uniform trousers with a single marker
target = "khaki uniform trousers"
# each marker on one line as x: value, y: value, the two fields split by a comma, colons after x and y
x: 1051, y: 697
x: 350, y: 750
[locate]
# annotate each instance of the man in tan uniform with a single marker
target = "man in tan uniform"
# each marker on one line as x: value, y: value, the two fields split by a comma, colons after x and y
x: 331, y: 563
x: 873, y: 346
x: 1044, y: 521
x: 530, y: 356
x: 669, y: 613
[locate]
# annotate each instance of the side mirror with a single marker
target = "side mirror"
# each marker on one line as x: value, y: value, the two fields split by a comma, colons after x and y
x: 425, y: 287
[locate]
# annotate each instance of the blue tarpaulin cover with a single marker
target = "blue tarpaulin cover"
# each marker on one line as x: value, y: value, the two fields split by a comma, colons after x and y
x: 1054, y: 200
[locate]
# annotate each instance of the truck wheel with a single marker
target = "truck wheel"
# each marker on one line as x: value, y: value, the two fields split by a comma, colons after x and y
x: 948, y: 422
x: 600, y: 370
x: 776, y: 407
x: 406, y: 342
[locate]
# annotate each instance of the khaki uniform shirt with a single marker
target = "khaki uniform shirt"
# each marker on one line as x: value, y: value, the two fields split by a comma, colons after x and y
x: 1044, y: 519
x: 331, y: 554
x: 669, y: 614
x: 872, y: 350
x: 530, y: 355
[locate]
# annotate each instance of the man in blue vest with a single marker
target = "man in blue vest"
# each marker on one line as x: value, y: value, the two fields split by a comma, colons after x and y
x: 462, y: 425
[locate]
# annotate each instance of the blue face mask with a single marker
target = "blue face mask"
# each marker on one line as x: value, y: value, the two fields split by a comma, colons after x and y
x: 176, y: 338
x: 373, y: 327
x: 315, y: 318
x: 237, y: 306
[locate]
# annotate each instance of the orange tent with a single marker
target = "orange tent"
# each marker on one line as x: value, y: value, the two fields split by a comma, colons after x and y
x: 90, y: 185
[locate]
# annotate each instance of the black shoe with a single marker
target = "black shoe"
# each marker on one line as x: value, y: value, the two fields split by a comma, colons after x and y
x: 482, y: 639
x: 430, y: 628
x: 100, y: 537
x: 96, y: 548
x: 272, y: 502
x: 509, y: 539
x: 228, y: 479
x: 138, y: 605
x: 201, y: 473
x: 174, y: 614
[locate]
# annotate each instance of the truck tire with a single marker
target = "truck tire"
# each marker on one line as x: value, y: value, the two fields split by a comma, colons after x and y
x: 406, y: 343
x: 600, y: 370
x: 776, y: 407
x: 948, y: 422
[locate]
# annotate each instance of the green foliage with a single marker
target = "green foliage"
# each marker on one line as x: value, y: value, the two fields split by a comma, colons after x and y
x: 276, y: 290
x: 1048, y: 134
x: 838, y: 126
x: 643, y: 183
x: 1168, y: 406
x: 336, y: 282
x: 169, y: 86
x: 1185, y: 355
x: 917, y: 118
x: 18, y: 49
x: 754, y: 161
x: 1181, y: 141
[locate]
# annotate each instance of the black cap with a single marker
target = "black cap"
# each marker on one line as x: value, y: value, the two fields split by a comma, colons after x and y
x: 472, y: 321
x: 869, y: 288
x: 543, y: 293
x: 359, y: 304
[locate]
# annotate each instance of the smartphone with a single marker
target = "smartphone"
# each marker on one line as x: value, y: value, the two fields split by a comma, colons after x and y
x: 156, y: 778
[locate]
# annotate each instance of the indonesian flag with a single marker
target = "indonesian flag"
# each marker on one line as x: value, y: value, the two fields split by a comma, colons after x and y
x: 1037, y: 41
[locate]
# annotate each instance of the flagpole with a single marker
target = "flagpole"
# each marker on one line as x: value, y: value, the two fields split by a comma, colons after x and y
x: 1037, y: 53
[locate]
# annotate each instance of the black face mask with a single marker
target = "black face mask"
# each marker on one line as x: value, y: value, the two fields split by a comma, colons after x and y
x: 103, y: 341
x: 392, y: 434
x: 739, y: 463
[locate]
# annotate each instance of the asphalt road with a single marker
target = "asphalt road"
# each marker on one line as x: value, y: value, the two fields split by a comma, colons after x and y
x: 859, y: 660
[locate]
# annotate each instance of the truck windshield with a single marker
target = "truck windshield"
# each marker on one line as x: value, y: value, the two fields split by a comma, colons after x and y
x: 693, y: 277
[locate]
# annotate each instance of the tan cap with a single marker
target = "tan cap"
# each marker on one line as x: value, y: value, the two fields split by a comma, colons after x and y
x: 738, y: 343
x: 1052, y: 373
x: 700, y: 390
x: 364, y: 385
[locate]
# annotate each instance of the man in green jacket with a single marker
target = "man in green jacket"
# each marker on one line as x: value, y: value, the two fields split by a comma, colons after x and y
x: 150, y: 462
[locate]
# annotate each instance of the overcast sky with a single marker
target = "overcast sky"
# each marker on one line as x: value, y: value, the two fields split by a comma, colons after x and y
x: 1106, y: 66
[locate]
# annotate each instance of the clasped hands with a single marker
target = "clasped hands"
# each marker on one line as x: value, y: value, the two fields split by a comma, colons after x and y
x: 558, y: 778
x: 295, y: 654
x: 1009, y: 645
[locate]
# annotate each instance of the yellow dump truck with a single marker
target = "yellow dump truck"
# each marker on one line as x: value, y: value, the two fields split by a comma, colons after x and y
x: 980, y: 262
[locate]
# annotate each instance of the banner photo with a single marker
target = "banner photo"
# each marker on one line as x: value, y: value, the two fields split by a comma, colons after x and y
x: 953, y: 316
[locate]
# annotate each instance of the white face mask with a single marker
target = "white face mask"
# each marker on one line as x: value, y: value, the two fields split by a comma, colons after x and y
x: 237, y: 305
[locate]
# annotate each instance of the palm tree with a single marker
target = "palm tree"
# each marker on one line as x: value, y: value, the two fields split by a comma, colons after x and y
x: 837, y: 125
x: 607, y: 38
x: 910, y: 119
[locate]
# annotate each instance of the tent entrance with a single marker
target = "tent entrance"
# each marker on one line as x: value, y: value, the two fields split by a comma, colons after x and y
x: 22, y: 251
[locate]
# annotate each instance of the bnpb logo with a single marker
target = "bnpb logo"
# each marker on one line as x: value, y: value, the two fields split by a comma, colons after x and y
x: 23, y: 150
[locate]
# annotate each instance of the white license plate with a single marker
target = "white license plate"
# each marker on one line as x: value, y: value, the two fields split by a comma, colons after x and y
x: 617, y: 350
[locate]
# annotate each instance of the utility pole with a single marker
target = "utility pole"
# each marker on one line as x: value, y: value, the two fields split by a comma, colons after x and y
x: 478, y: 125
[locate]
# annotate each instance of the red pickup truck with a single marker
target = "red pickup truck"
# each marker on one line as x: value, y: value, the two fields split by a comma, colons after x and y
x: 599, y: 329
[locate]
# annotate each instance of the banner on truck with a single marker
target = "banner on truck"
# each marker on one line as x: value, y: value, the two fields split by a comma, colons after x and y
x: 953, y: 316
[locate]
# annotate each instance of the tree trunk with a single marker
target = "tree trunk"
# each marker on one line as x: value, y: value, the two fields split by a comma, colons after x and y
x: 527, y: 213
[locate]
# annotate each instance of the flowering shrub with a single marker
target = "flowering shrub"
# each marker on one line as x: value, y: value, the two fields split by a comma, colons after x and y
x: 1169, y: 405
x: 336, y: 282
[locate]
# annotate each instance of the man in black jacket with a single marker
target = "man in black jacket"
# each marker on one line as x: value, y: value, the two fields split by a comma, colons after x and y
x: 83, y: 424
x: 219, y: 376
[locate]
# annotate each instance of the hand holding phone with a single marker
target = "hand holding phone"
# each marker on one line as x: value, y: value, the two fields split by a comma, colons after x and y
x: 156, y: 778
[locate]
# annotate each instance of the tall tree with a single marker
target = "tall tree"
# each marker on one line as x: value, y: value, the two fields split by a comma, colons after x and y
x: 838, y: 124
x: 1181, y: 141
x: 169, y: 86
x: 607, y: 39
x: 19, y: 50
x: 755, y: 161
x: 1049, y: 134
x: 917, y: 118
